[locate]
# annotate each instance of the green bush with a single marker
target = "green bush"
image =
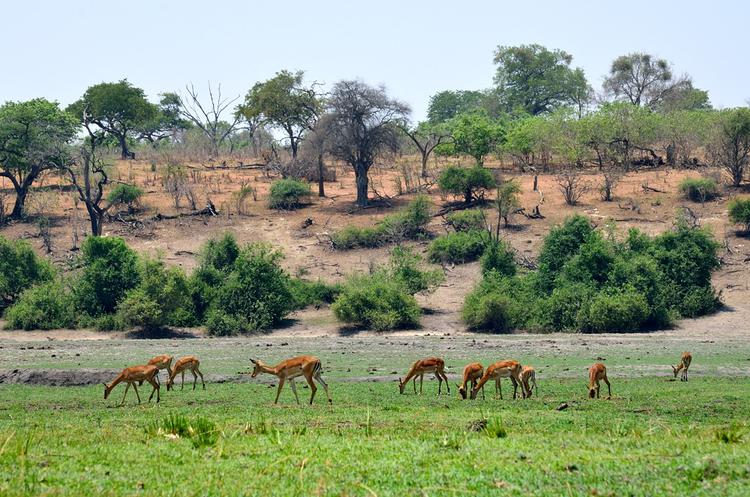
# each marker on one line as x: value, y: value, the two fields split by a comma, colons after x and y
x: 125, y: 194
x: 163, y: 298
x: 490, y: 312
x: 406, y: 268
x: 625, y: 311
x: 498, y: 257
x: 466, y: 182
x: 220, y: 253
x: 20, y: 268
x: 219, y: 323
x: 288, y: 193
x: 110, y: 270
x: 562, y: 310
x: 698, y: 301
x: 306, y: 293
x: 459, y: 247
x: 466, y: 220
x: 560, y: 245
x: 739, y: 212
x: 699, y: 189
x: 408, y: 224
x: 43, y: 307
x: 376, y: 302
x: 256, y: 289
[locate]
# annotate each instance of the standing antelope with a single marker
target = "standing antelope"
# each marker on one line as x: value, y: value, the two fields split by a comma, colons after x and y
x: 429, y: 365
x: 598, y: 372
x: 163, y: 361
x: 497, y: 371
x: 131, y: 376
x: 190, y: 363
x: 472, y: 373
x: 684, y: 364
x: 304, y: 365
x: 528, y: 380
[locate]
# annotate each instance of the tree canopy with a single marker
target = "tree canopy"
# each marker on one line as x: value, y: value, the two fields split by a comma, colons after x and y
x: 448, y: 104
x: 536, y: 80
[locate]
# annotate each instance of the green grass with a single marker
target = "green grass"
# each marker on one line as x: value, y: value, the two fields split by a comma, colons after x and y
x: 655, y: 437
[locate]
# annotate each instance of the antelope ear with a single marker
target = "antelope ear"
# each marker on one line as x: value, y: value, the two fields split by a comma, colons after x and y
x: 254, y: 361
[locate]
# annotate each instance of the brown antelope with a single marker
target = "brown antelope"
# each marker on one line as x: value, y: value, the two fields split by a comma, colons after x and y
x: 528, y: 380
x: 497, y: 371
x: 684, y: 364
x: 163, y: 361
x: 187, y: 363
x: 133, y: 375
x: 598, y: 372
x: 304, y: 365
x: 472, y: 373
x: 429, y: 365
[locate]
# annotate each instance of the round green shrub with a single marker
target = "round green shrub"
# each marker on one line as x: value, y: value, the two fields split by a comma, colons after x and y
x: 219, y: 323
x: 699, y: 189
x: 739, y: 212
x: 466, y: 182
x: 288, y: 193
x: 458, y: 248
x: 376, y: 302
x: 619, y: 312
x: 44, y: 307
x: 499, y: 258
x: 466, y: 220
x: 20, y: 268
x: 490, y: 312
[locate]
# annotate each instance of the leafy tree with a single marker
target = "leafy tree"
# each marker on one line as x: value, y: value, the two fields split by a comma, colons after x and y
x: 730, y: 147
x: 739, y: 212
x: 284, y: 102
x: 447, y: 104
x: 642, y: 79
x: 110, y: 270
x: 536, y: 80
x: 361, y: 127
x: 118, y: 109
x: 506, y: 201
x: 33, y: 138
x: 46, y: 306
x: 682, y: 97
x: 474, y: 134
x: 465, y: 181
x: 167, y: 122
x: 124, y: 193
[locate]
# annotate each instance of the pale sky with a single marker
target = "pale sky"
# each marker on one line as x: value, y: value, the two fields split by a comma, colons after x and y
x: 57, y: 48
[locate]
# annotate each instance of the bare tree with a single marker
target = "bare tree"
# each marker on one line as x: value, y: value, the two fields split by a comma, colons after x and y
x: 572, y: 186
x: 426, y: 138
x: 642, y: 79
x: 208, y: 116
x: 612, y: 176
x: 363, y: 125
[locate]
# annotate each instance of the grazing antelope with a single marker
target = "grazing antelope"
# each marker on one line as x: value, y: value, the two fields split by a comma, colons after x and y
x: 497, y: 371
x: 304, y: 365
x: 429, y: 365
x: 684, y: 364
x: 598, y: 372
x: 528, y: 380
x: 131, y: 376
x: 190, y: 363
x: 472, y: 373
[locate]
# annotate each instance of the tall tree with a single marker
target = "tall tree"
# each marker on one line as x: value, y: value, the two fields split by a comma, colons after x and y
x: 642, y: 79
x: 34, y: 137
x: 363, y: 124
x: 167, y: 122
x: 207, y: 116
x: 535, y: 80
x: 474, y: 134
x: 448, y: 104
x: 119, y: 109
x: 284, y: 102
x: 427, y: 137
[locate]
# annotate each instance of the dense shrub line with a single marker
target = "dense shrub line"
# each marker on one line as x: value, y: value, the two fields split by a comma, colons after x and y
x: 591, y: 283
x: 234, y: 290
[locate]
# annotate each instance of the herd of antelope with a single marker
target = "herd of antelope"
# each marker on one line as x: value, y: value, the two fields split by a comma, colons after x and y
x: 474, y: 376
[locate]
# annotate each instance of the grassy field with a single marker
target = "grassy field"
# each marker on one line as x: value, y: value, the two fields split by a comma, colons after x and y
x: 654, y: 437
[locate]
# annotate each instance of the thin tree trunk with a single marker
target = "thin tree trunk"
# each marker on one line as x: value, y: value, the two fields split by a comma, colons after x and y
x: 124, y: 152
x: 321, y: 181
x: 18, y: 207
x: 425, y: 158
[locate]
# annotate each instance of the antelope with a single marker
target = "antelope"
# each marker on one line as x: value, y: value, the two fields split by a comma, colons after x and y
x: 131, y: 376
x: 304, y: 365
x: 429, y: 365
x: 190, y: 363
x: 528, y: 379
x: 472, y: 373
x: 501, y: 369
x: 684, y: 364
x: 163, y: 361
x: 598, y: 372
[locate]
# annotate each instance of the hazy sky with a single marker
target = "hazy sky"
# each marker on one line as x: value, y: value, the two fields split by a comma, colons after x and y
x: 56, y: 49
